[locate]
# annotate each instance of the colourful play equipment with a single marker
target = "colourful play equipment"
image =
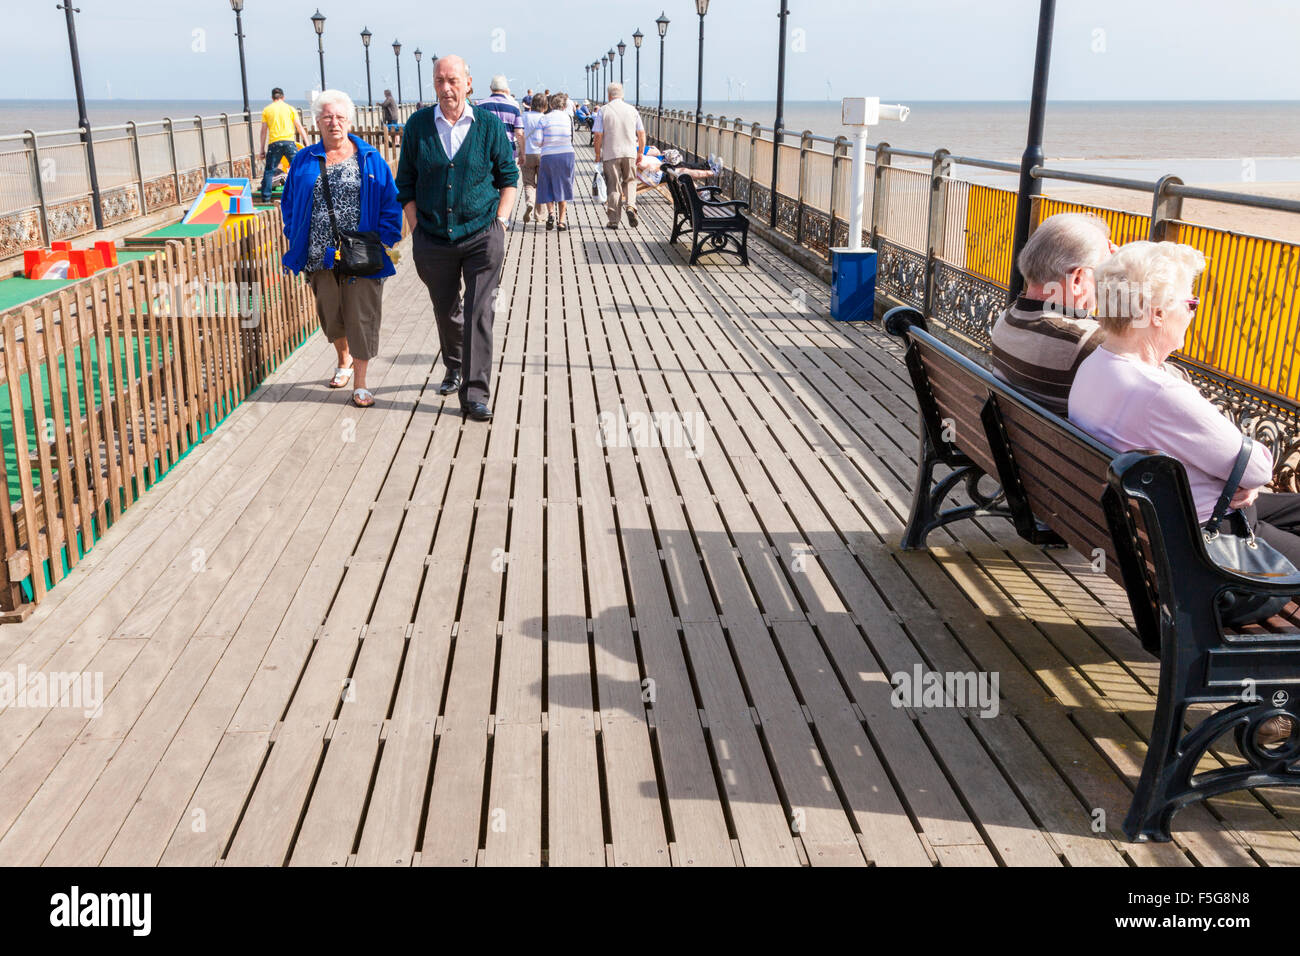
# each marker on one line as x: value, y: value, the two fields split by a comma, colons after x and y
x: 61, y: 261
x: 221, y: 202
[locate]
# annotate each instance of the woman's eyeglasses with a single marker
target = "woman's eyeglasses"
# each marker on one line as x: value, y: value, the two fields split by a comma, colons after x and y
x: 1192, y: 304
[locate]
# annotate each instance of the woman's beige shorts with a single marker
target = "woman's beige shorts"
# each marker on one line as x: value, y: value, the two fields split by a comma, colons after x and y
x: 349, y: 306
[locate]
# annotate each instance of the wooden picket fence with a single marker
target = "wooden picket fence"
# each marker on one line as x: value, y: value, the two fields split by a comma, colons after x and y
x: 112, y: 380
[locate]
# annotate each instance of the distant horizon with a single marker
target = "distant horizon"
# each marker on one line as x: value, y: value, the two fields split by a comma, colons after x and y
x: 223, y: 99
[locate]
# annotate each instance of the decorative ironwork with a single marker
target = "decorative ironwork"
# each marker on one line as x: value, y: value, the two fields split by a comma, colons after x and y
x: 817, y: 231
x: 242, y: 168
x: 120, y: 204
x: 191, y: 183
x: 740, y: 188
x: 967, y: 303
x: 72, y: 218
x: 1270, y: 420
x: 159, y: 193
x: 759, y: 200
x: 840, y: 234
x: 901, y: 273
x: 787, y: 215
x: 20, y: 231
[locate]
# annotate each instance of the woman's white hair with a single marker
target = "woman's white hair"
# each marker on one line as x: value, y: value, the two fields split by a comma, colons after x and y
x: 335, y: 97
x: 1061, y: 244
x: 1141, y: 277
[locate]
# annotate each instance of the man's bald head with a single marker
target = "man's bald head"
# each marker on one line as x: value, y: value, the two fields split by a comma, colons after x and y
x: 452, y: 82
x: 451, y: 64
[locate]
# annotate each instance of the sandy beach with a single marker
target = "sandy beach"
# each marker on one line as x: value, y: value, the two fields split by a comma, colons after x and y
x: 1267, y: 223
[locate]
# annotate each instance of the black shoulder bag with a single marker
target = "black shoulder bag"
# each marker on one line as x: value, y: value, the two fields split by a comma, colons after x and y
x: 358, y: 253
x: 1245, y: 555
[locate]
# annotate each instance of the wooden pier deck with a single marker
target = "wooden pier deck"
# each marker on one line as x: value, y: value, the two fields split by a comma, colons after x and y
x: 391, y: 637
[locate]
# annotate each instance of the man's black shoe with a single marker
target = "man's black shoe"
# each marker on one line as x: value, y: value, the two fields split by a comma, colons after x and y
x: 631, y: 216
x: 476, y: 411
x: 450, y: 384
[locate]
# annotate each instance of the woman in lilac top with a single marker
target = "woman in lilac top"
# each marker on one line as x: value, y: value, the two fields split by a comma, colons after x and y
x: 1123, y: 396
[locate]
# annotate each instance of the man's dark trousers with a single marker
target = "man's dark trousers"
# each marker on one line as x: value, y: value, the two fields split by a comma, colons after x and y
x: 441, y: 266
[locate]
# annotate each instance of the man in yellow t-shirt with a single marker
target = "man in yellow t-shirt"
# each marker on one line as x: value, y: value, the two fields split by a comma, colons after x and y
x: 279, y: 125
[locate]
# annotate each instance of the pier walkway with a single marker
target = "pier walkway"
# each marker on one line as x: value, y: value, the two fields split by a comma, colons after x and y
x: 392, y: 637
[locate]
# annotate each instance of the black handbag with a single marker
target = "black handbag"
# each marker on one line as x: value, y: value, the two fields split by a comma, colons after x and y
x: 357, y: 253
x: 1244, y: 554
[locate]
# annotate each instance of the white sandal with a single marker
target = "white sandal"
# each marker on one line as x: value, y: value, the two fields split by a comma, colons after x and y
x: 341, y: 377
x: 363, y: 397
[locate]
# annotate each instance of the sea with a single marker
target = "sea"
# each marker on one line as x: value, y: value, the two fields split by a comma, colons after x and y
x: 1218, y: 141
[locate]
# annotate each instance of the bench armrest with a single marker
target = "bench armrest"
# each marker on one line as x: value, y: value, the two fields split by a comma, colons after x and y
x: 716, y: 203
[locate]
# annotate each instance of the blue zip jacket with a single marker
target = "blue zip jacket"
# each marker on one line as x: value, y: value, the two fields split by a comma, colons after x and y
x: 380, y: 211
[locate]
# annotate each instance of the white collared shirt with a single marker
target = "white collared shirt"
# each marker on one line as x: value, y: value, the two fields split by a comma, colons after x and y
x: 453, y: 134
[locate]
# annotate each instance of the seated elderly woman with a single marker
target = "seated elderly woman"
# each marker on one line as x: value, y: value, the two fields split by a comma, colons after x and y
x: 1124, y: 396
x: 653, y: 163
x: 364, y: 198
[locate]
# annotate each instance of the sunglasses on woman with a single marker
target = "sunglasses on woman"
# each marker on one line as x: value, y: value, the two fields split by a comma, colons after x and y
x: 1192, y: 304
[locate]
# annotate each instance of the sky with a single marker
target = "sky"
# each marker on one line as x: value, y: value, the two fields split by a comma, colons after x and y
x: 900, y: 50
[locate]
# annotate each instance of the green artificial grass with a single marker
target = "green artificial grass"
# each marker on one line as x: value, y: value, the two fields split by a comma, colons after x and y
x: 18, y: 290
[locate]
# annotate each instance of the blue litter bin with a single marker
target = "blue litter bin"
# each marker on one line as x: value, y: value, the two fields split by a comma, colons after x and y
x: 853, y: 284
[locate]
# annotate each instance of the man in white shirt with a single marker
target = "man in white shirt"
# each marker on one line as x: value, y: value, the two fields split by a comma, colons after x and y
x: 619, y: 138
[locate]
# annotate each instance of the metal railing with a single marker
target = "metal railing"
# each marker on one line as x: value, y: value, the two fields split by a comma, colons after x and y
x: 142, y: 168
x: 945, y: 246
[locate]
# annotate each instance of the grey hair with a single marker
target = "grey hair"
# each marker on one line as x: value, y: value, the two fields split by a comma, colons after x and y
x: 614, y: 91
x: 1061, y: 244
x: 329, y: 97
x: 1141, y: 277
x: 558, y: 101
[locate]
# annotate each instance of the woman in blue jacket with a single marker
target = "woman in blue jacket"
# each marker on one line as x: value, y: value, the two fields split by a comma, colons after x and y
x: 365, y: 200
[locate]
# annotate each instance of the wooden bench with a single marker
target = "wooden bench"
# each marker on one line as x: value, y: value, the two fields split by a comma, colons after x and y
x: 1134, y: 514
x: 712, y: 222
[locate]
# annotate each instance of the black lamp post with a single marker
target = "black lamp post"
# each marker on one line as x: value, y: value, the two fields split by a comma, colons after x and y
x: 587, y: 68
x: 595, y: 81
x: 1033, y: 155
x: 621, y: 48
x: 238, y: 7
x: 419, y: 83
x: 610, y: 54
x: 636, y: 42
x: 83, y: 120
x: 318, y: 22
x: 604, y: 73
x: 778, y: 133
x: 701, y: 7
x: 397, y: 55
x: 365, y: 41
x: 662, y: 24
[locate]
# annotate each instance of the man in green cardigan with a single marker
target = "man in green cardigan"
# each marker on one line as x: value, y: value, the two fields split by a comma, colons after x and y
x: 456, y: 181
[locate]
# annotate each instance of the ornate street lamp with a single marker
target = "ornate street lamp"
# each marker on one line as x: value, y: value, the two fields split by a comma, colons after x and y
x: 621, y: 48
x: 238, y: 7
x: 318, y: 21
x: 397, y: 55
x: 778, y: 131
x: 662, y: 24
x: 83, y: 121
x: 365, y: 41
x: 419, y: 84
x: 701, y: 7
x: 636, y: 42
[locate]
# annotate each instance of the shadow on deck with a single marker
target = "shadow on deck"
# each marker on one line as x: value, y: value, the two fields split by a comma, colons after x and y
x: 647, y: 616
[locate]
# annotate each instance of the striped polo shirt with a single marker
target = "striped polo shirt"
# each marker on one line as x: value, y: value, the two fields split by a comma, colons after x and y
x: 1037, y: 348
x: 556, y: 131
x: 507, y: 110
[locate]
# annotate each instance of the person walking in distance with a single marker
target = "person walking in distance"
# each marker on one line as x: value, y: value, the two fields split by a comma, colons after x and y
x: 619, y: 138
x: 456, y: 181
x: 508, y: 111
x: 392, y: 119
x: 555, y: 170
x: 532, y: 155
x: 281, y: 126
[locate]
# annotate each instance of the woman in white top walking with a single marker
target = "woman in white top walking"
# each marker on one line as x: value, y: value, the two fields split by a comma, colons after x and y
x: 554, y: 140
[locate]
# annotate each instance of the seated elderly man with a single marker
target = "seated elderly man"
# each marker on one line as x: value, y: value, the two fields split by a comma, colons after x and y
x: 1041, y: 338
